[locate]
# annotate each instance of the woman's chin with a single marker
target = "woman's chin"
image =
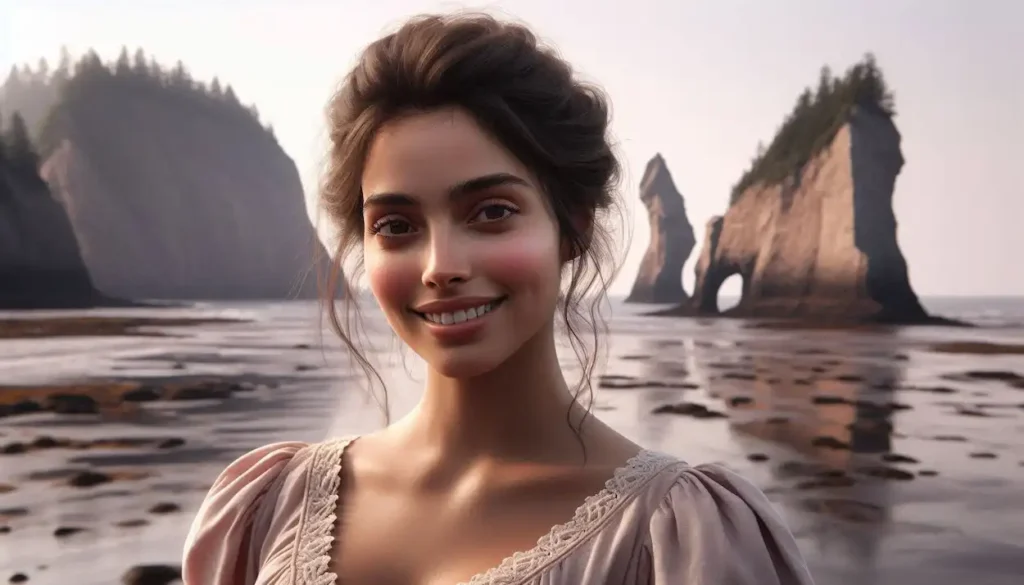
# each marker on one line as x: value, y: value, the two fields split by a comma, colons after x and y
x: 460, y: 364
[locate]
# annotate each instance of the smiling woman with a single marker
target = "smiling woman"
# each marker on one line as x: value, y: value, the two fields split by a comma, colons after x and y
x: 471, y: 172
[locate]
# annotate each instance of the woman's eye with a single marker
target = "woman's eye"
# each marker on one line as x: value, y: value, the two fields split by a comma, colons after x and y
x: 391, y: 228
x: 494, y: 212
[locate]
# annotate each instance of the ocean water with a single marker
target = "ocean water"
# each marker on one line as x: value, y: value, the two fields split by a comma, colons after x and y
x: 892, y: 462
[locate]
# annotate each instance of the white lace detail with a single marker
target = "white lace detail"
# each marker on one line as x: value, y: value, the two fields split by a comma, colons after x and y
x: 316, y: 536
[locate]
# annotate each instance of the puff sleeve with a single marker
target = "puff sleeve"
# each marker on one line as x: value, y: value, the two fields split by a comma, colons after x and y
x: 225, y: 543
x: 715, y: 528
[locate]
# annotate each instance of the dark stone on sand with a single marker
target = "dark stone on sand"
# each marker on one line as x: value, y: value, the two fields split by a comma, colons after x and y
x: 757, y: 457
x: 983, y: 455
x: 849, y: 378
x: 18, y: 578
x: 171, y: 443
x: 5, y: 529
x: 884, y: 472
x: 819, y: 369
x: 151, y: 575
x: 826, y: 399
x: 968, y: 411
x: 165, y: 508
x: 897, y: 458
x: 89, y: 479
x: 689, y: 409
x: 994, y: 375
x: 740, y: 400
x: 24, y: 407
x: 65, y: 531
x: 132, y: 523
x: 933, y: 389
x: 143, y: 394
x: 927, y: 473
x: 301, y: 346
x: 830, y: 443
x: 178, y: 366
x: 45, y: 442
x: 14, y: 448
x: 304, y: 368
x: 71, y: 404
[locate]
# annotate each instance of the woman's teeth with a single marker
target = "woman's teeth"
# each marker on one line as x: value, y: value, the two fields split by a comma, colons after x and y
x: 456, y: 317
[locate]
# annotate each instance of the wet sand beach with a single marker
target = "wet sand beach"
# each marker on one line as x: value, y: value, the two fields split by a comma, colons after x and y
x: 896, y: 455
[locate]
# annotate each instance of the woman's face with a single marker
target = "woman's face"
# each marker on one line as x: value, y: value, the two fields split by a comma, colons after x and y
x: 460, y: 248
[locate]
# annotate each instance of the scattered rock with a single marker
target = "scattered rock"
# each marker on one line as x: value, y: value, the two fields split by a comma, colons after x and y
x: 72, y: 404
x: 740, y: 400
x: 143, y: 394
x: 132, y: 523
x: 65, y: 531
x: 89, y: 479
x: 950, y: 438
x: 983, y: 455
x: 826, y: 399
x: 897, y: 458
x: 151, y: 575
x: 830, y: 443
x: 18, y: 578
x: 849, y: 378
x: 6, y: 488
x: 884, y: 472
x: 689, y: 409
x: 757, y: 457
x: 165, y: 508
x: 927, y: 473
x: 171, y: 443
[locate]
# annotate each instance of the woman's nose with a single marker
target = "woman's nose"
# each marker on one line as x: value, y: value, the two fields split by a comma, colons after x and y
x: 447, y: 261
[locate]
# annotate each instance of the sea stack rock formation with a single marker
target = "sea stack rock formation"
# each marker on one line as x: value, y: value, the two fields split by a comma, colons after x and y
x: 175, y: 190
x: 810, y: 228
x: 41, y: 266
x: 660, y: 277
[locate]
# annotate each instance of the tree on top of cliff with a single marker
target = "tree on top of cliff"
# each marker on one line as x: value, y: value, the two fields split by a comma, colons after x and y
x: 814, y: 121
x: 16, y: 147
x: 36, y: 94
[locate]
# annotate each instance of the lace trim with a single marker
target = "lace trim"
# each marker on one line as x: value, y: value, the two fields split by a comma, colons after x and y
x: 312, y: 561
x: 316, y: 536
x: 590, y: 516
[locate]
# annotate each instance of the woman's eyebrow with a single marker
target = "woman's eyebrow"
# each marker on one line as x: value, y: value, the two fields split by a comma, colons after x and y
x: 457, y: 191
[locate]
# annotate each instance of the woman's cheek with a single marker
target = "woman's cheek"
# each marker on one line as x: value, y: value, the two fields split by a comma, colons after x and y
x: 393, y: 280
x: 526, y: 261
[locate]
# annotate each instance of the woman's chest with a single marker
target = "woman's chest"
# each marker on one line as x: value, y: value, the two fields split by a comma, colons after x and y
x: 394, y: 540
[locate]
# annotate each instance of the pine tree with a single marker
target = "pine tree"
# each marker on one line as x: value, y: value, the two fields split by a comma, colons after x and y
x: 19, y: 145
x: 123, y: 66
x: 139, y: 65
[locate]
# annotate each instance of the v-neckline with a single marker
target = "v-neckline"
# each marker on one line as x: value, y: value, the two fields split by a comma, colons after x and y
x: 314, y: 548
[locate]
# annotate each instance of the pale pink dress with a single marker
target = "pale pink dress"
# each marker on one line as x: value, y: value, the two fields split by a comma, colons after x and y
x: 269, y: 520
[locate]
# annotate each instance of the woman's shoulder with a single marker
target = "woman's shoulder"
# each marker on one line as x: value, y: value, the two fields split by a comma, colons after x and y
x: 259, y: 495
x: 711, y: 521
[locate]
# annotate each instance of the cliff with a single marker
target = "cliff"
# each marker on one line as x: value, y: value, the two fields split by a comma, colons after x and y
x: 811, y: 228
x: 659, y: 279
x: 41, y: 266
x: 174, y: 189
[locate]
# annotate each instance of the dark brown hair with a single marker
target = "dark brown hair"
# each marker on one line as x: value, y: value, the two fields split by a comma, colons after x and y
x: 526, y: 97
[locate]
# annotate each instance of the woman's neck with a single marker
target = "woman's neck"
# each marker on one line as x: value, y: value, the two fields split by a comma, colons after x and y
x: 516, y: 411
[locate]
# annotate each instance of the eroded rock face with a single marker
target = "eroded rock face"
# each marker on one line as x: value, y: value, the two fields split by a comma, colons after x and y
x: 168, y: 203
x: 823, y: 244
x: 40, y: 262
x: 660, y: 277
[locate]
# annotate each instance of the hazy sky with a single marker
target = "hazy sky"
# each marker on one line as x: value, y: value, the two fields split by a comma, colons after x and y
x: 700, y: 82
